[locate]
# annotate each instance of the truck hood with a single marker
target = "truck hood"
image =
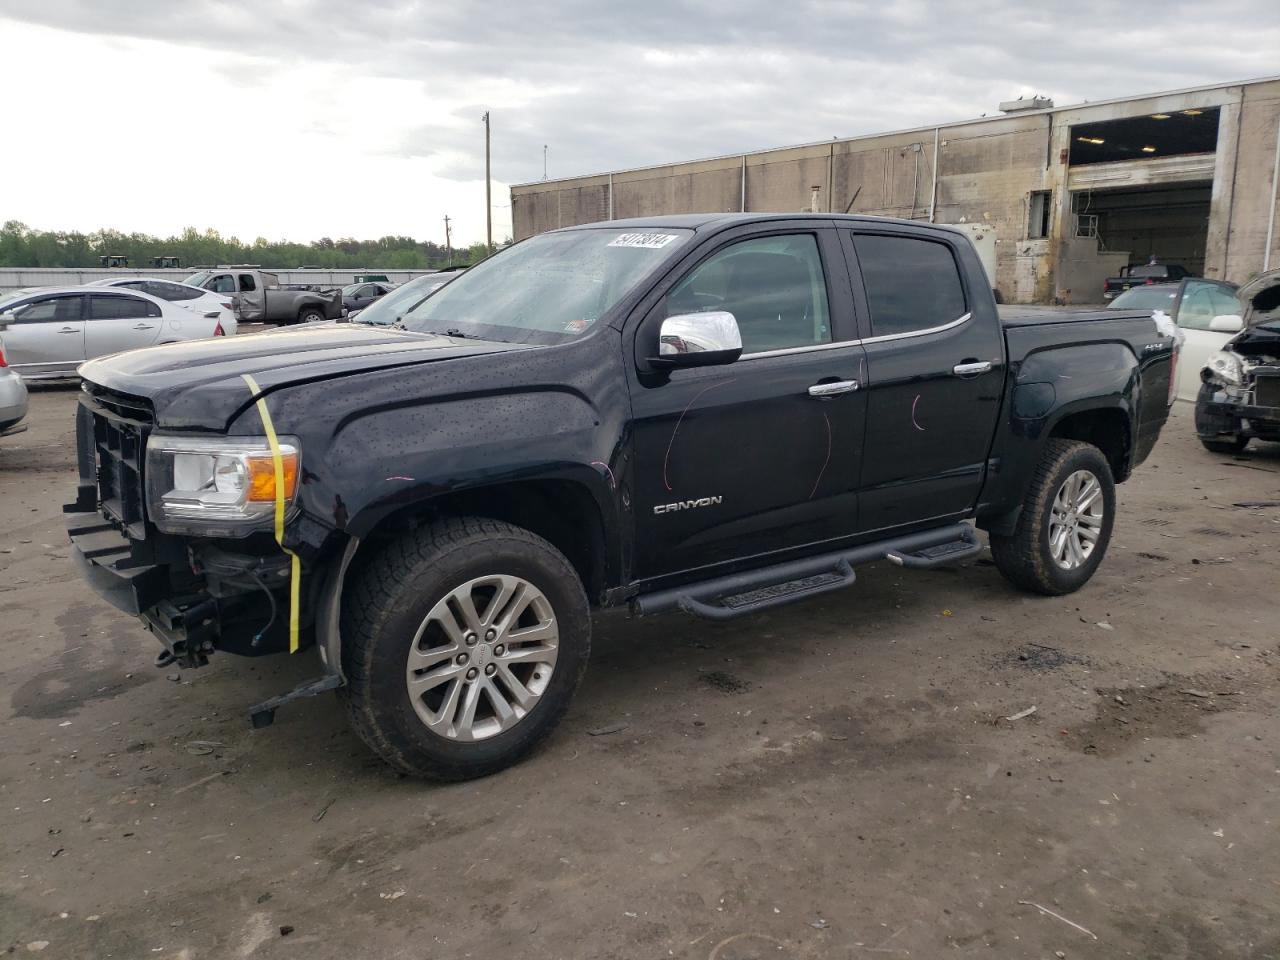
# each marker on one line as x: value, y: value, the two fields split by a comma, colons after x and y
x: 200, y: 385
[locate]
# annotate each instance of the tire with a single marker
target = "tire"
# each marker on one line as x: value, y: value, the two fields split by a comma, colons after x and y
x: 1235, y: 445
x: 310, y: 315
x: 1027, y: 558
x: 398, y: 608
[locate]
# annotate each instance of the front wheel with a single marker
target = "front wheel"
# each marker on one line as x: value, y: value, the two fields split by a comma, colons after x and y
x: 1065, y: 524
x: 463, y: 644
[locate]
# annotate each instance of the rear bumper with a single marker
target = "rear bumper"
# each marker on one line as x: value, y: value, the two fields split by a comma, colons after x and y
x: 13, y: 400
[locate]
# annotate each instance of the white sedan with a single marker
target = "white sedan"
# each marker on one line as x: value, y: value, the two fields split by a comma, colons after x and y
x: 195, y: 299
x: 49, y: 331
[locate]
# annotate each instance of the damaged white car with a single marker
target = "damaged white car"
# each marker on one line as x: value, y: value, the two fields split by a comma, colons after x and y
x: 1239, y: 395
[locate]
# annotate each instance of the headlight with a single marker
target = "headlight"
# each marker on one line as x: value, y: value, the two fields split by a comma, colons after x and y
x: 1226, y: 366
x: 221, y: 487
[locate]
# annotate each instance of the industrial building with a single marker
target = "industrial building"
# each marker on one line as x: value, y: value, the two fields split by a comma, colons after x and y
x: 1068, y: 194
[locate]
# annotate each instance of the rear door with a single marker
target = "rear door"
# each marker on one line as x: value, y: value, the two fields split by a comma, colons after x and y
x: 45, y: 336
x: 1198, y: 302
x: 935, y: 376
x: 253, y: 298
x: 118, y: 321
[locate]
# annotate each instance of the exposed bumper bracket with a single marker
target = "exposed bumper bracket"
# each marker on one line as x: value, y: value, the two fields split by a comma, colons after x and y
x: 264, y: 714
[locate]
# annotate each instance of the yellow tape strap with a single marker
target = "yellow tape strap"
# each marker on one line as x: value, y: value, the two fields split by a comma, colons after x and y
x: 277, y: 462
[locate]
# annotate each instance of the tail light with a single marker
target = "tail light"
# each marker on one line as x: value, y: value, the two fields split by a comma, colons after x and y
x: 218, y: 331
x: 1151, y: 281
x: 3, y: 361
x: 228, y: 306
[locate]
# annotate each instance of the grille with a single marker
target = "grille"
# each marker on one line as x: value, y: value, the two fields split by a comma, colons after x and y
x: 120, y: 426
x: 1266, y: 391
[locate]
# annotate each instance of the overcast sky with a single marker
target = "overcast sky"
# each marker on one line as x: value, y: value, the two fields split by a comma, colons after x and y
x: 295, y: 119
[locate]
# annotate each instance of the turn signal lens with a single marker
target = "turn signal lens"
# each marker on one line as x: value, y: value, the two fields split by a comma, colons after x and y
x: 262, y: 477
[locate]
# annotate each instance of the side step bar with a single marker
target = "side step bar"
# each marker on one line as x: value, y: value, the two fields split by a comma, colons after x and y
x: 740, y: 594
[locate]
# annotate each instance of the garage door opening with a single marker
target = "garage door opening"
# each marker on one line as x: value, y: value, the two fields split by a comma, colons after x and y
x: 1168, y: 222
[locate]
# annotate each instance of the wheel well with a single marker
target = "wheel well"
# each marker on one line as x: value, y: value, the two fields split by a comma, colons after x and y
x: 560, y: 511
x: 1108, y: 430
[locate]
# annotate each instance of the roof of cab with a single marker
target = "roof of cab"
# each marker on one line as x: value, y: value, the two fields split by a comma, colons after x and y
x: 699, y: 221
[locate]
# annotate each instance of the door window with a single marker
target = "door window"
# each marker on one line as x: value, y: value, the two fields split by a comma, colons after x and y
x: 911, y: 284
x: 1198, y: 306
x: 1224, y: 301
x: 52, y: 310
x: 773, y: 286
x: 120, y: 308
x: 246, y: 283
x: 222, y: 284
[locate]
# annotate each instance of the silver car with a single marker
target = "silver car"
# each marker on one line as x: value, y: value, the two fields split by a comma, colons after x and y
x: 48, y: 332
x: 13, y: 398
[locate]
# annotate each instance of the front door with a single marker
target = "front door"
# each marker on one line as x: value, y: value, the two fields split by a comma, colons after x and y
x: 117, y: 321
x: 760, y: 455
x: 935, y: 376
x: 45, y: 336
x: 1198, y: 302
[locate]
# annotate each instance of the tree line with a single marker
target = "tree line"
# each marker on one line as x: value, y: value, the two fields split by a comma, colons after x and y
x: 23, y: 246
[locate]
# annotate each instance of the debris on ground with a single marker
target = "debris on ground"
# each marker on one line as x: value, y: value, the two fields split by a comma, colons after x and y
x: 725, y: 682
x: 202, y: 748
x: 605, y: 731
x: 819, y: 924
x: 1104, y: 625
x: 1192, y: 692
x: 1058, y: 916
x: 1021, y: 714
x: 319, y: 814
x: 394, y: 895
x: 286, y: 930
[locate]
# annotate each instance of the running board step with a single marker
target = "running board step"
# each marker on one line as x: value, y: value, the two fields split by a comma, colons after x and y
x: 739, y: 594
x: 968, y: 545
x: 775, y: 595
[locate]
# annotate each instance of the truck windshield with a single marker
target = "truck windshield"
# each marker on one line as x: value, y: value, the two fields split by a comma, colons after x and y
x: 548, y: 289
x: 387, y: 310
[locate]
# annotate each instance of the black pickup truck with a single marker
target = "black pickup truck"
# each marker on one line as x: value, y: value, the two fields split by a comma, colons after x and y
x: 1143, y: 274
x: 709, y: 414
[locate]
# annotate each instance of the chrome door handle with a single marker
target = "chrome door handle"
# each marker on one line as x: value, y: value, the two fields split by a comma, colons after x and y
x: 143, y: 326
x: 833, y: 389
x: 68, y: 330
x: 967, y: 369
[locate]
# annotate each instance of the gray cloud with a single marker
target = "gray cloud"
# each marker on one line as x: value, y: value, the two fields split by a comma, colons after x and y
x: 609, y: 87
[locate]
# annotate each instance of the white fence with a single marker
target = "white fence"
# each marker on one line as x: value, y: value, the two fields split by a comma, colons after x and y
x: 13, y: 278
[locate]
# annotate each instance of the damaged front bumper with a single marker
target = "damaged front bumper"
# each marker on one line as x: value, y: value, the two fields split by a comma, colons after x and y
x: 191, y: 609
x: 1224, y: 412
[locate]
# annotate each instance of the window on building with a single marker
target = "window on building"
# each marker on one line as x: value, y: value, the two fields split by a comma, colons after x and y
x: 902, y: 300
x: 1039, y: 211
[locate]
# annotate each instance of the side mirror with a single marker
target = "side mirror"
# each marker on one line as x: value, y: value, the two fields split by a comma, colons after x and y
x: 698, y: 340
x: 1227, y: 323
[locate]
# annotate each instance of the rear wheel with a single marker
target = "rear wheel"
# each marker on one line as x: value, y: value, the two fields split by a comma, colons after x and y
x: 1230, y: 445
x: 463, y: 644
x: 310, y: 315
x: 1065, y: 524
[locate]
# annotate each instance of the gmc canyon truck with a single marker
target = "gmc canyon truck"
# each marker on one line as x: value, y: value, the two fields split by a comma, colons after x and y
x: 259, y: 297
x: 711, y: 414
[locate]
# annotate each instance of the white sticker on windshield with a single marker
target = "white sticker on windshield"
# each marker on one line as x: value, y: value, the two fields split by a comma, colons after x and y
x: 647, y: 241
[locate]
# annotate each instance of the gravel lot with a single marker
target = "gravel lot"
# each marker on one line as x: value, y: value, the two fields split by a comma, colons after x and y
x: 827, y: 780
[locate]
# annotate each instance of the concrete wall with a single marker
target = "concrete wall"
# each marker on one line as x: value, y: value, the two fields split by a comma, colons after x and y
x: 985, y: 172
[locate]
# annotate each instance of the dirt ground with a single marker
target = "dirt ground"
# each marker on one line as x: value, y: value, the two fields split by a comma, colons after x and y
x: 833, y: 779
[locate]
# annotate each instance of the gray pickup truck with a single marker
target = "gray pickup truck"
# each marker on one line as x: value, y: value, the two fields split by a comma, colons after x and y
x: 260, y: 298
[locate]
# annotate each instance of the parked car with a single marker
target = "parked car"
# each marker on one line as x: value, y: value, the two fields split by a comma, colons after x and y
x: 49, y: 331
x: 388, y: 309
x: 1206, y: 310
x: 204, y: 302
x: 714, y: 414
x: 1240, y: 391
x: 357, y: 296
x: 13, y: 397
x: 1143, y: 275
x: 259, y: 297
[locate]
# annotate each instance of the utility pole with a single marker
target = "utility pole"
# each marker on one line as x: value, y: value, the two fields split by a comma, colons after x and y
x: 448, y: 247
x: 544, y: 161
x: 488, y: 190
